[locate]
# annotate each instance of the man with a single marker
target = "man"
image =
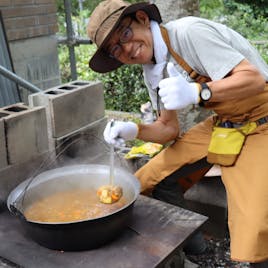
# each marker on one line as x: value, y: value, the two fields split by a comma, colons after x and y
x: 235, y: 90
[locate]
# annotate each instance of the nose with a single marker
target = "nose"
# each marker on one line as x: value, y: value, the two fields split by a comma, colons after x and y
x: 127, y: 47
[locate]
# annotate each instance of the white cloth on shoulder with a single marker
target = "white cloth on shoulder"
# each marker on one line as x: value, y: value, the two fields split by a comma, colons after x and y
x: 154, y: 72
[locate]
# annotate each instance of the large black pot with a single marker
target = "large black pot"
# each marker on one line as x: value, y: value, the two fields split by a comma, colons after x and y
x: 78, y: 235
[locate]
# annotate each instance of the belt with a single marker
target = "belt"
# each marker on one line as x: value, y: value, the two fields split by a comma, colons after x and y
x: 229, y: 124
x: 262, y: 120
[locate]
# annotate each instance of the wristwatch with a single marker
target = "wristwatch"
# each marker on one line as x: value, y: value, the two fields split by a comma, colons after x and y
x: 205, y: 93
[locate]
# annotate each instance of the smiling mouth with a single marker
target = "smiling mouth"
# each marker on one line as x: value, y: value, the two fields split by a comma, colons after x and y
x: 136, y: 52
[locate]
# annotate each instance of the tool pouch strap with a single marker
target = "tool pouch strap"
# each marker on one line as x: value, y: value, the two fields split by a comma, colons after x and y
x: 192, y: 73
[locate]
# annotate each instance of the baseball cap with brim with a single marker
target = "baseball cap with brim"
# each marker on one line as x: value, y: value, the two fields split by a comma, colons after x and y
x: 104, y: 20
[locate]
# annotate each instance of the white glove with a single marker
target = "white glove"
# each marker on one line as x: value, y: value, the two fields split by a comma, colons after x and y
x: 176, y: 92
x: 120, y: 132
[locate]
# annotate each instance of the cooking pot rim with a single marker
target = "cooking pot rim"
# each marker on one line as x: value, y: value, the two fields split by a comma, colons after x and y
x: 16, y: 194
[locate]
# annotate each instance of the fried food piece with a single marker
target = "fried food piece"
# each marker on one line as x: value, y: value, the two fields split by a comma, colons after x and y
x: 109, y: 194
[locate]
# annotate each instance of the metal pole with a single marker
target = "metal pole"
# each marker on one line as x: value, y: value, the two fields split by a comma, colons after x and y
x: 10, y: 75
x: 80, y: 4
x: 70, y: 37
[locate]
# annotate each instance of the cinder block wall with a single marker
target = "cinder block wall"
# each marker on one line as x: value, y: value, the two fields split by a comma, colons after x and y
x: 31, y: 26
x: 75, y: 114
x: 30, y: 135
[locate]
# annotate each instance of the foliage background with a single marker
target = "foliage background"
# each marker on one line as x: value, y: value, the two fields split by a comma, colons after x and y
x: 124, y: 89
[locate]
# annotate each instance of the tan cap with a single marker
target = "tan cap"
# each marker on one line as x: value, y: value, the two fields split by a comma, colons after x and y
x: 104, y: 19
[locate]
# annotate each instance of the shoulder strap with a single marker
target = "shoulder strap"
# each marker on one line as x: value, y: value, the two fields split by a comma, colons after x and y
x: 193, y: 74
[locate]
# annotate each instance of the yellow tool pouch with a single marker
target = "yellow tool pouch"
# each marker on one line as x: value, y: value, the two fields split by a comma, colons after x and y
x: 226, y: 143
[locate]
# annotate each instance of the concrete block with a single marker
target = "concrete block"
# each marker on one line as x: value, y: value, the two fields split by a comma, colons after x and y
x: 3, y: 149
x: 14, y: 174
x: 85, y: 145
x: 71, y: 106
x: 208, y: 197
x: 208, y: 191
x: 26, y: 132
x: 216, y: 225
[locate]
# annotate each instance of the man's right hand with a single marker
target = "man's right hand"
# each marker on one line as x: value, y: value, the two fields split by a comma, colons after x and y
x: 120, y: 132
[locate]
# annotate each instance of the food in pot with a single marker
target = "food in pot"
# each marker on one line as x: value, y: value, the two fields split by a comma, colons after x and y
x: 109, y: 194
x: 69, y: 206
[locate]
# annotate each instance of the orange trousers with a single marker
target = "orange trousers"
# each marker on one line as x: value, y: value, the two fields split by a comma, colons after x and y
x: 246, y: 185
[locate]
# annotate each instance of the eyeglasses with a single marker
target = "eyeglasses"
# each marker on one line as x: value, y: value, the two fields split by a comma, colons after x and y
x: 125, y: 34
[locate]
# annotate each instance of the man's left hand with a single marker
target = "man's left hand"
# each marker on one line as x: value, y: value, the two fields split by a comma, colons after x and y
x: 176, y: 92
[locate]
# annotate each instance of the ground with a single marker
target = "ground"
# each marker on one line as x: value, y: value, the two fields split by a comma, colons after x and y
x: 217, y: 255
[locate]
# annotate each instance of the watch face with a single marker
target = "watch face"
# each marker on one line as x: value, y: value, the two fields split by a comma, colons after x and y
x: 205, y: 94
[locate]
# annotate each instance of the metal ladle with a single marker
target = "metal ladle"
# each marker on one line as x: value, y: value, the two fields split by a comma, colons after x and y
x: 111, y: 158
x: 109, y: 194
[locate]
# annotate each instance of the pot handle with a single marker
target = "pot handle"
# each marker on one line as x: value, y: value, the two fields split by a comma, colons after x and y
x: 16, y: 211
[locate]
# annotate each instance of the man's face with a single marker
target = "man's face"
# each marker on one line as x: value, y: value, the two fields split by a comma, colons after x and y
x: 132, y: 41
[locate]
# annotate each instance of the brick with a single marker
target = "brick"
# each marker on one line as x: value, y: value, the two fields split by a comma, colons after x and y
x: 22, y: 2
x: 47, y: 19
x: 53, y: 28
x: 3, y: 150
x: 29, y: 11
x: 29, y: 32
x: 23, y: 22
x: 26, y: 132
x: 71, y: 106
x: 4, y: 3
x: 45, y: 2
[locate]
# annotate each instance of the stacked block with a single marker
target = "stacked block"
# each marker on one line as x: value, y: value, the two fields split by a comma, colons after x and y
x: 71, y: 106
x: 23, y: 133
x: 3, y: 151
x: 75, y: 111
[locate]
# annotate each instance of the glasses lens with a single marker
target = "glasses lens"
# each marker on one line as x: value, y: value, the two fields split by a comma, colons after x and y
x: 115, y: 51
x: 126, y: 35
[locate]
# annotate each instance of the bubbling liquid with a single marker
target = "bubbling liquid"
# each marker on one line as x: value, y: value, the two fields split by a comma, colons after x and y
x: 69, y: 206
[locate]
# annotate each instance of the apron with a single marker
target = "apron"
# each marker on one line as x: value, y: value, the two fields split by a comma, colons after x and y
x: 246, y: 182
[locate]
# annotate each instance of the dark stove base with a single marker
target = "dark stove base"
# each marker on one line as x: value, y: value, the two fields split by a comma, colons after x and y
x: 158, y: 231
x: 4, y: 263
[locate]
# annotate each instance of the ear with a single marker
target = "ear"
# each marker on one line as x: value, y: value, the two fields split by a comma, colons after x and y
x: 143, y: 18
